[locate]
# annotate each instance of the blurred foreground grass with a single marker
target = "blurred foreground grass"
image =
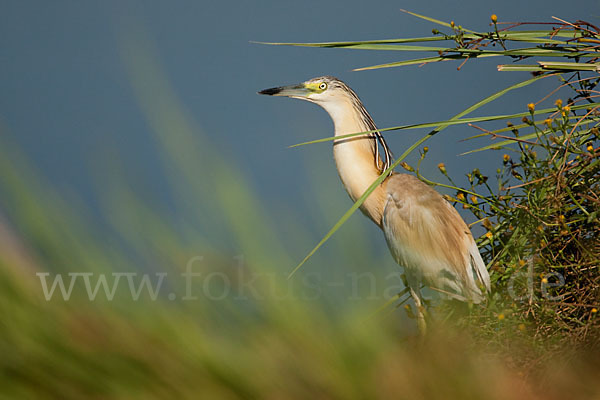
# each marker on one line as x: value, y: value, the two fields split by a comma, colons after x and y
x: 251, y: 335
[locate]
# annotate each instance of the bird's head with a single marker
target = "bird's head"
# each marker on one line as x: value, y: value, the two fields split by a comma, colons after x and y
x: 322, y: 90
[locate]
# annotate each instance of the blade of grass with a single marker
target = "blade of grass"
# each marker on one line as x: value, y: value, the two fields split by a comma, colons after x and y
x: 351, y: 43
x: 366, y: 46
x: 435, y: 21
x: 519, y: 36
x: 521, y: 126
x: 519, y: 68
x: 525, y: 51
x: 511, y: 141
x: 570, y: 66
x: 410, y: 62
x: 474, y: 53
x: 459, y: 121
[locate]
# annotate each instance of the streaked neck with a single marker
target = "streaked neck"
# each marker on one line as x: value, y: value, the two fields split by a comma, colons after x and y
x: 356, y: 158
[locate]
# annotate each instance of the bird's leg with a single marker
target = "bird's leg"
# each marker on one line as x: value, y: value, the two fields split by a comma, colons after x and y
x: 420, y: 311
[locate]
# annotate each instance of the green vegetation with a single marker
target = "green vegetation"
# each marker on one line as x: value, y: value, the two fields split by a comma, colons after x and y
x: 248, y: 337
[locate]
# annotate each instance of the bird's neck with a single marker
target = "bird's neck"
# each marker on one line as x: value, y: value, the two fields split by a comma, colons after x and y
x: 356, y: 157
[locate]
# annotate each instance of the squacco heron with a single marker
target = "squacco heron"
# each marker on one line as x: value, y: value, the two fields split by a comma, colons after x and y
x: 424, y: 232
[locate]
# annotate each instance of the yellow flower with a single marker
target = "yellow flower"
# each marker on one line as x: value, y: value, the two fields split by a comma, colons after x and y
x: 474, y: 199
x: 531, y: 107
x: 500, y: 316
x: 558, y: 103
x: 442, y: 167
x: 452, y: 24
x: 489, y: 235
x: 548, y: 122
x: 505, y: 158
x: 594, y: 310
x: 561, y: 218
x: 494, y: 18
x: 544, y: 280
x: 521, y: 327
x: 460, y: 197
x: 566, y: 109
x: 425, y: 149
x: 521, y: 262
x: 590, y: 148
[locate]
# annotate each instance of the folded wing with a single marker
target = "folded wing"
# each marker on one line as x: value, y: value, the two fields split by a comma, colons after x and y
x: 427, y: 236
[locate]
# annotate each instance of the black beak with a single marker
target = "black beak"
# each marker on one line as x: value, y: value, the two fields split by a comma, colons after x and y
x: 271, y: 92
x: 295, y: 91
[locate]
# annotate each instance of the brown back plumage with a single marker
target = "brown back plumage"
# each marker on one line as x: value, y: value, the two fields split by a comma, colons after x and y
x: 428, y: 237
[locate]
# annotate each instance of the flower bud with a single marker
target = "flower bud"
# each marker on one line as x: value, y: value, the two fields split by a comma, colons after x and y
x: 487, y: 224
x: 407, y: 167
x: 558, y: 103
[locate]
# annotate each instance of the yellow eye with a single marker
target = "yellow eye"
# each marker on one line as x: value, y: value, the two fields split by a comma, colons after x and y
x: 323, y: 86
